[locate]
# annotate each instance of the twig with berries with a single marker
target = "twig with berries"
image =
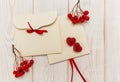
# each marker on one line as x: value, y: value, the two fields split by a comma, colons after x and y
x: 21, y: 64
x: 77, y: 15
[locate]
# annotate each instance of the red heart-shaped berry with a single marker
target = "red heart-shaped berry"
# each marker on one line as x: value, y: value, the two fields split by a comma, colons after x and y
x: 70, y: 41
x: 77, y: 47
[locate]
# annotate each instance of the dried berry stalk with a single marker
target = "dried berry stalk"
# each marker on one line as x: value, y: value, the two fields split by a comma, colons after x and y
x: 21, y: 65
x: 77, y: 15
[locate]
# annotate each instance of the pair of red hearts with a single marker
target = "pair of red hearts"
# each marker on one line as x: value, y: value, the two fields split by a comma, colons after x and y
x: 71, y: 41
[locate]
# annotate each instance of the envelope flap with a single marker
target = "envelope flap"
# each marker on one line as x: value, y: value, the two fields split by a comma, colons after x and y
x: 36, y: 20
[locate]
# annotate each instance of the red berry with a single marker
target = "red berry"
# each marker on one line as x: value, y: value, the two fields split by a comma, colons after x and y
x: 87, y: 18
x: 81, y: 20
x: 29, y: 65
x: 20, y: 74
x: 14, y: 72
x: 17, y: 72
x: 19, y: 68
x: 77, y: 21
x: 75, y: 17
x: 26, y: 67
x: 71, y: 18
x: 23, y: 67
x: 25, y: 62
x: 86, y: 12
x: 69, y: 15
x: 22, y: 63
x: 83, y: 16
x: 70, y: 41
x: 26, y: 70
x: 77, y: 47
x: 31, y: 61
x: 73, y: 21
x: 16, y: 75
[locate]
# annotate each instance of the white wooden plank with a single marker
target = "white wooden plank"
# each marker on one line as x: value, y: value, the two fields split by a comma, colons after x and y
x: 3, y: 51
x: 7, y: 58
x: 112, y: 56
x: 43, y: 72
x: 6, y: 62
x: 24, y: 7
x: 92, y: 66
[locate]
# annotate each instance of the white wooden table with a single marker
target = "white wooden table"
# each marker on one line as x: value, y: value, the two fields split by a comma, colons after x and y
x: 102, y: 65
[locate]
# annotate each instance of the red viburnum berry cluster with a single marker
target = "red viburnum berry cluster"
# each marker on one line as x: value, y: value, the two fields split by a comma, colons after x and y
x: 23, y: 67
x: 79, y: 19
x: 77, y: 15
x: 71, y: 41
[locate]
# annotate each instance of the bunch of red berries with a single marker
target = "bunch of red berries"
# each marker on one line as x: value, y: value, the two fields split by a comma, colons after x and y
x: 77, y: 15
x: 79, y: 19
x: 23, y: 67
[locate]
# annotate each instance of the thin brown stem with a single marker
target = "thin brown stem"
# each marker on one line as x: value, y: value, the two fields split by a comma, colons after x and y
x: 77, y: 9
x: 17, y: 59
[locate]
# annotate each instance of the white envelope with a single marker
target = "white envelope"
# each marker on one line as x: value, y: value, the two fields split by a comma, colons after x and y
x: 34, y: 44
x: 68, y: 29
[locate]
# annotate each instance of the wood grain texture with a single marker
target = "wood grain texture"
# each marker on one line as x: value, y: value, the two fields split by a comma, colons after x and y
x: 92, y: 66
x: 23, y: 7
x: 7, y: 58
x: 42, y: 70
x: 112, y: 57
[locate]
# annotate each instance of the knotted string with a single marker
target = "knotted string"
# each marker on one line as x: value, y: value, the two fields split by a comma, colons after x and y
x: 31, y: 30
x: 73, y: 63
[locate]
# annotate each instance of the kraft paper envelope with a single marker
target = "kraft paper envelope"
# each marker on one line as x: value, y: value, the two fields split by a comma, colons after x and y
x: 68, y: 29
x: 34, y: 44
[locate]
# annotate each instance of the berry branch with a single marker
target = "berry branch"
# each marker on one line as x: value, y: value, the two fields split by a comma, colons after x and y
x: 21, y: 64
x: 77, y: 15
